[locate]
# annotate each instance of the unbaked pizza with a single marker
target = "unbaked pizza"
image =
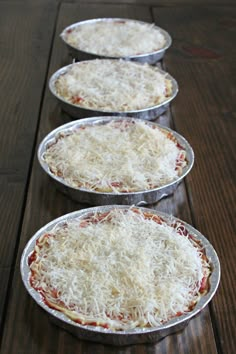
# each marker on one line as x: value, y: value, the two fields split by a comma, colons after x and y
x: 121, y: 156
x: 113, y: 85
x: 120, y: 269
x: 115, y: 37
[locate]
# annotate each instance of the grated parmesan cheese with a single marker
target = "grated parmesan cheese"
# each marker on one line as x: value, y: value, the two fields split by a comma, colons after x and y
x: 120, y: 156
x: 113, y: 85
x: 117, y: 38
x: 122, y: 269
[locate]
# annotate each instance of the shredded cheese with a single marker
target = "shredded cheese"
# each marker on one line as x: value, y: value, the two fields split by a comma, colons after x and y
x: 121, y: 269
x: 116, y: 38
x: 120, y: 156
x: 113, y: 85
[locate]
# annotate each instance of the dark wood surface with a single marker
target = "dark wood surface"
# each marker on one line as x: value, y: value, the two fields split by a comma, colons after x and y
x: 25, y: 47
x: 202, y: 59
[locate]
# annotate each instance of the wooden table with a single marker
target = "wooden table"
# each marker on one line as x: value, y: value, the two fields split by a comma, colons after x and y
x: 202, y: 59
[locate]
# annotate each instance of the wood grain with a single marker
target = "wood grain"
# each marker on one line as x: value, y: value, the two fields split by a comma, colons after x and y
x: 41, y: 208
x: 4, y: 276
x: 204, y: 113
x: 25, y: 47
x: 196, y: 61
x: 136, y: 2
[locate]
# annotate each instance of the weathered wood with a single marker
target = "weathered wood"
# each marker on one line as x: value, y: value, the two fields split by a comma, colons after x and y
x: 137, y: 2
x: 4, y: 276
x: 28, y: 324
x: 202, y: 60
x: 25, y: 47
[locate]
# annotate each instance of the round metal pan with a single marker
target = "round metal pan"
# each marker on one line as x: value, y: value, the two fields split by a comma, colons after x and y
x: 98, y: 198
x: 150, y: 58
x: 76, y: 111
x: 119, y: 338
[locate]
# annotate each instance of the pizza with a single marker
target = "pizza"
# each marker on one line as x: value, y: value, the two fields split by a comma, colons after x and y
x: 120, y: 269
x: 115, y: 37
x: 113, y: 85
x: 121, y: 156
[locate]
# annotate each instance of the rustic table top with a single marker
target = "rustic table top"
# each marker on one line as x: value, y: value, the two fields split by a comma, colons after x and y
x: 202, y: 60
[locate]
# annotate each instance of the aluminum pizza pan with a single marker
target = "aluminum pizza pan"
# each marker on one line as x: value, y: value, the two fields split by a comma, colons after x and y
x: 76, y: 111
x: 86, y: 196
x: 134, y: 336
x: 150, y: 58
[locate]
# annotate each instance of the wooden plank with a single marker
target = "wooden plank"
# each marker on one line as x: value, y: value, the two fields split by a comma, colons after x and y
x: 204, y: 112
x: 25, y: 47
x: 4, y: 276
x: 44, y: 203
x: 163, y: 2
x: 138, y: 2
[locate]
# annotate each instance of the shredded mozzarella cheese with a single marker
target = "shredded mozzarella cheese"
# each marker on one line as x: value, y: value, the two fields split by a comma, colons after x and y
x: 123, y: 270
x: 116, y: 38
x: 113, y: 85
x: 116, y: 157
